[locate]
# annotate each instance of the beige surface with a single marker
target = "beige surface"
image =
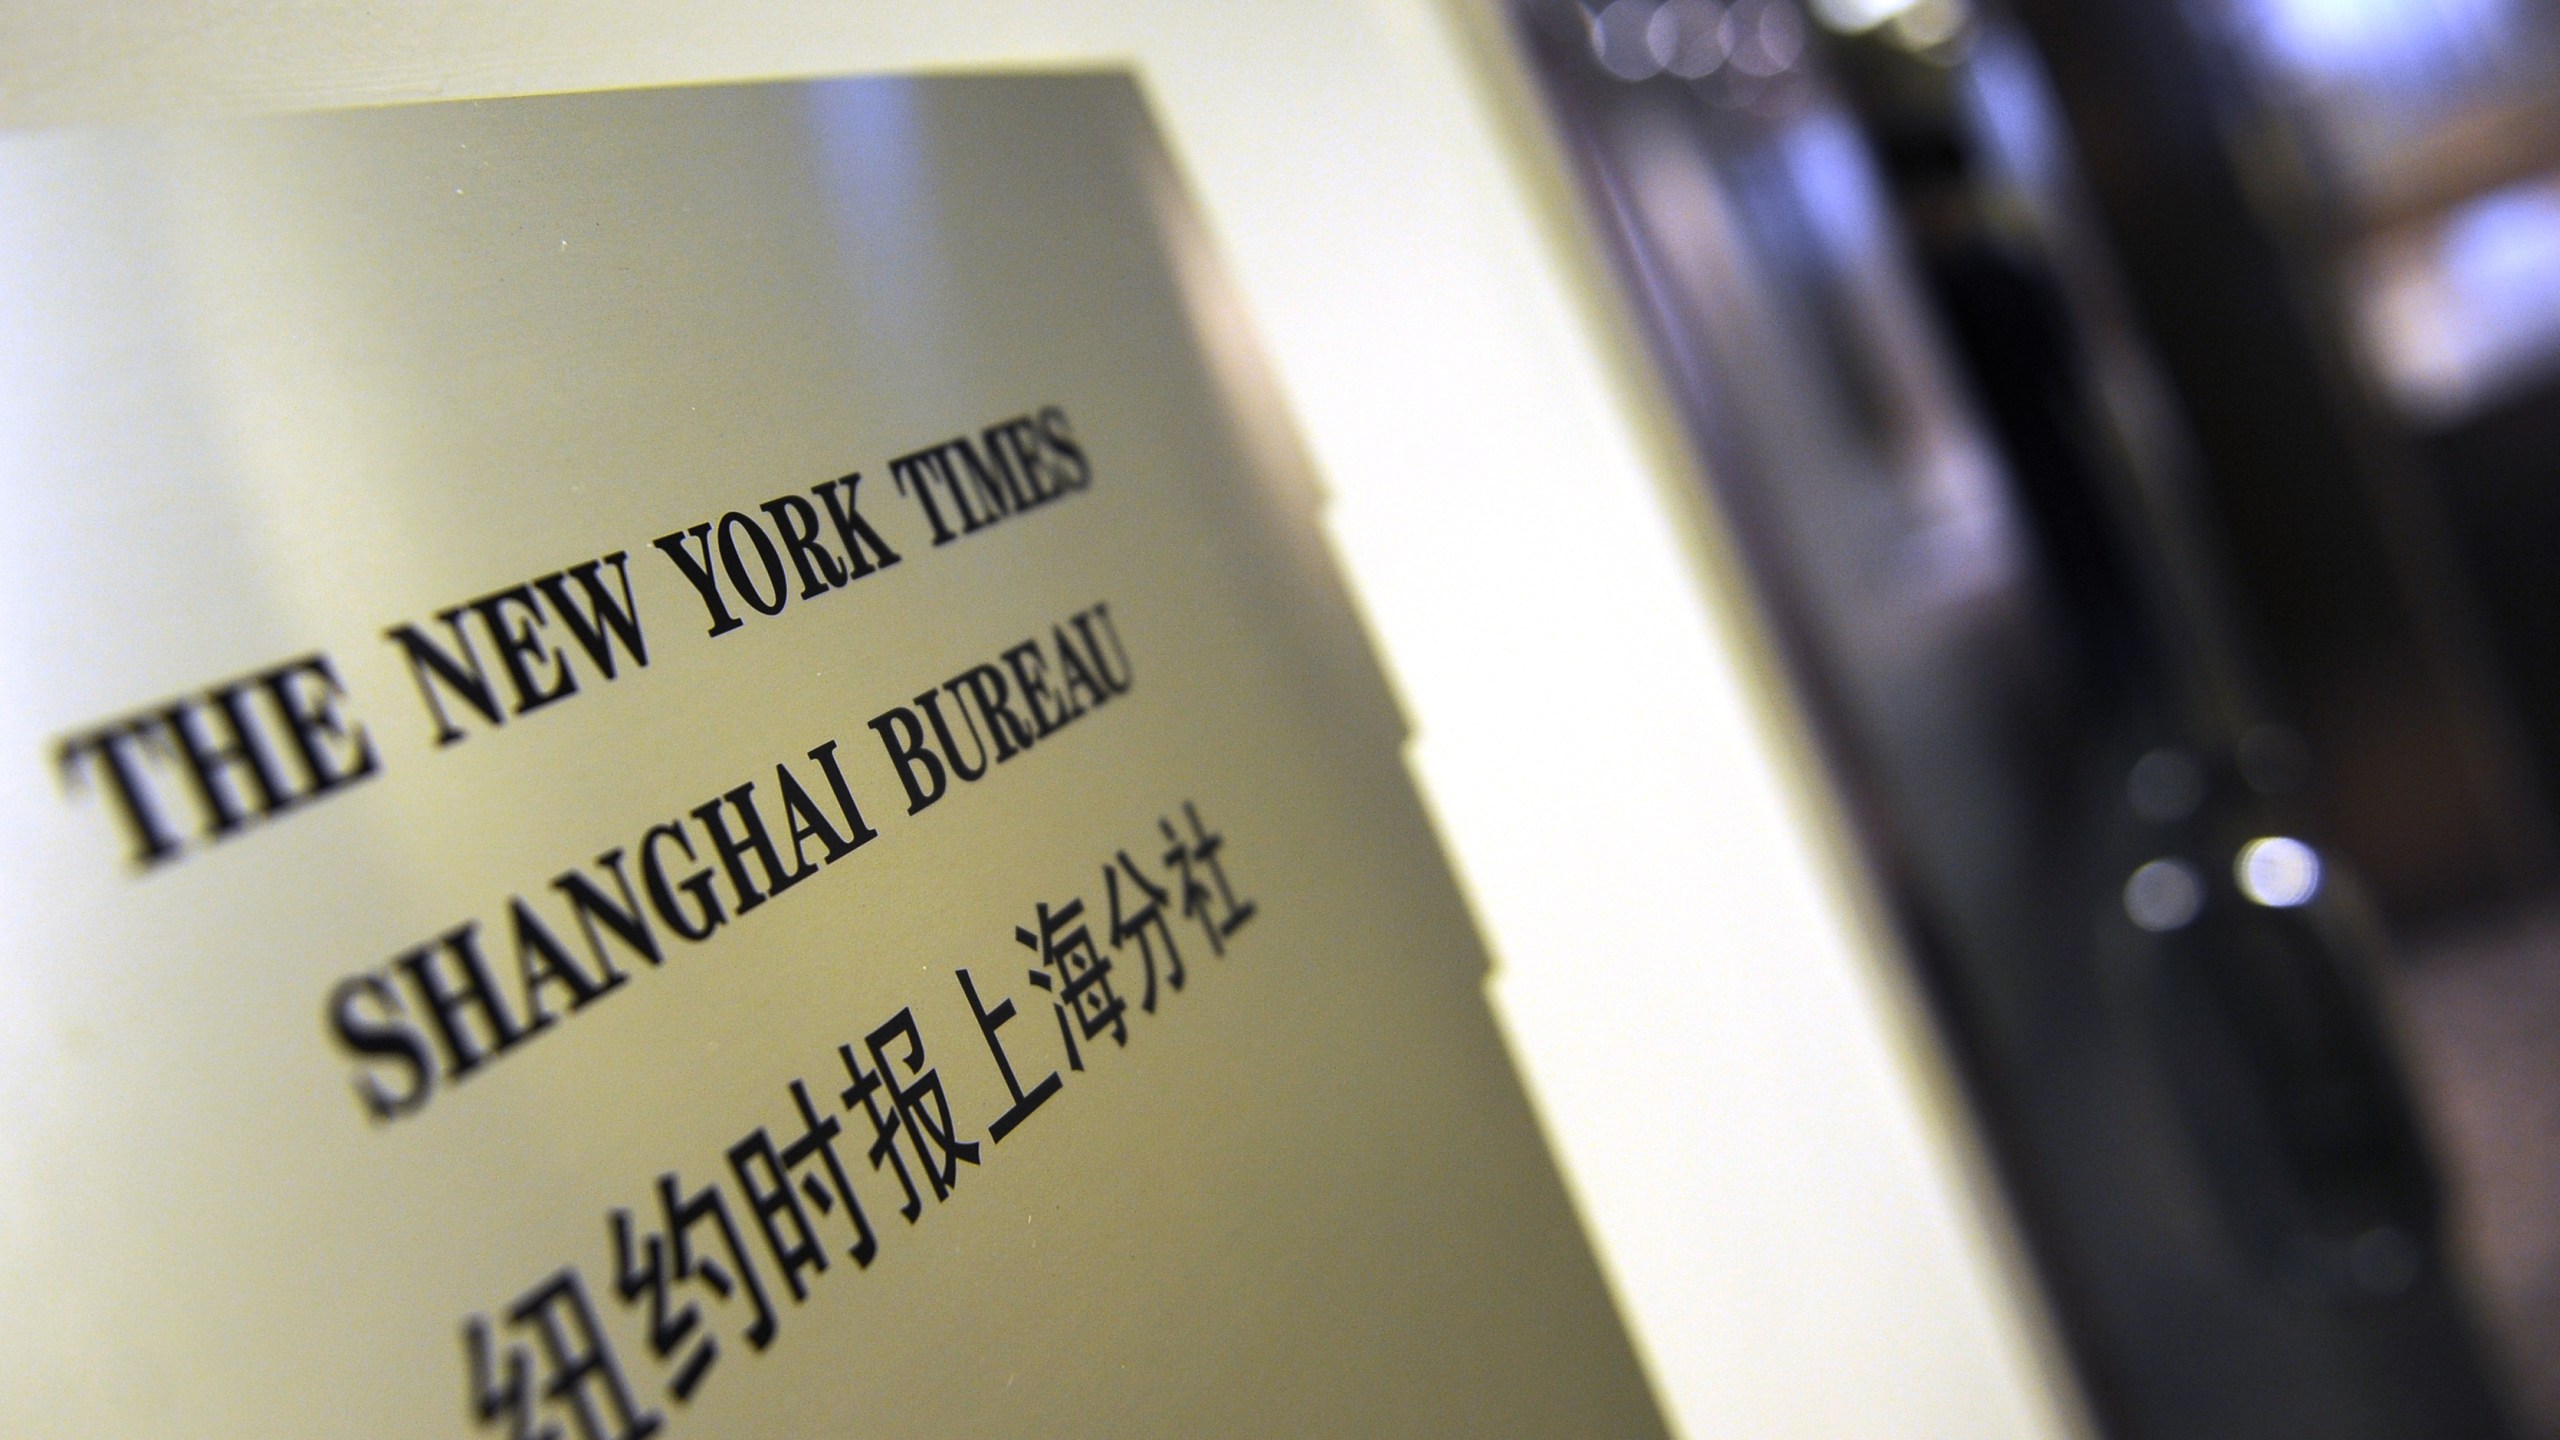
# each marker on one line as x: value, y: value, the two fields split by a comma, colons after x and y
x: 280, y: 384
x: 1752, y: 1120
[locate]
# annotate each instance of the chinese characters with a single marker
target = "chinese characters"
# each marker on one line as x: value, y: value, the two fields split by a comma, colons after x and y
x: 704, y: 1264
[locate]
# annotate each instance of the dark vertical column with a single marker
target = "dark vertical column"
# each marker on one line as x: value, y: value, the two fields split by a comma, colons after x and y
x: 2336, y: 544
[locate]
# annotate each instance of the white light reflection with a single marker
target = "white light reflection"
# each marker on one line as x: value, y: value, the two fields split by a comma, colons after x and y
x: 1763, y: 37
x: 1854, y: 17
x: 2278, y: 871
x: 1621, y: 40
x: 1931, y: 23
x: 1687, y: 38
x: 2467, y: 311
x: 1692, y: 39
x: 1913, y: 24
x: 2393, y: 41
x: 2163, y: 896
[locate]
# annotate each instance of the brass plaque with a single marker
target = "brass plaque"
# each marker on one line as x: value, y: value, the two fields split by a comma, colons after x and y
x: 687, y: 764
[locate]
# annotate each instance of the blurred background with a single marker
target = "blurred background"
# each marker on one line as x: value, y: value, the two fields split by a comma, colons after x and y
x: 2032, y: 521
x: 2141, y: 423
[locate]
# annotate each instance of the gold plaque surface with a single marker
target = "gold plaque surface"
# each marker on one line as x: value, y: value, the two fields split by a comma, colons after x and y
x: 687, y: 764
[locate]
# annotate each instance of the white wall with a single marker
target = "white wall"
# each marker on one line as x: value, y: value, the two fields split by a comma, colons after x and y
x: 1739, y: 1089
